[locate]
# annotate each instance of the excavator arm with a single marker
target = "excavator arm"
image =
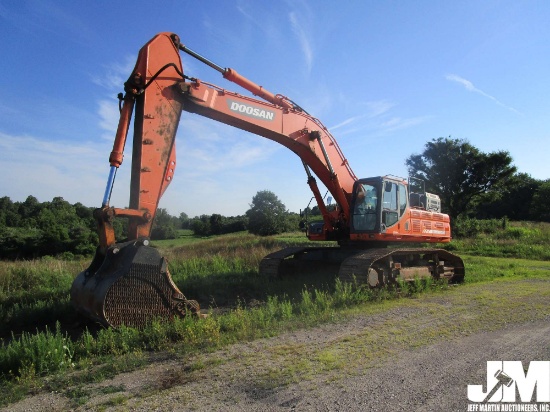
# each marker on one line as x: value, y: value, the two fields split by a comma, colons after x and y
x: 150, y: 93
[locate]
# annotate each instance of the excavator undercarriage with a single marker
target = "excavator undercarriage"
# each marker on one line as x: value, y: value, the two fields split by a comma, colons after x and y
x: 376, y: 267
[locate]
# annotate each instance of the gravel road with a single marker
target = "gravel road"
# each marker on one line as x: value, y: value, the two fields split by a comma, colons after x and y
x: 433, y: 378
x: 419, y: 355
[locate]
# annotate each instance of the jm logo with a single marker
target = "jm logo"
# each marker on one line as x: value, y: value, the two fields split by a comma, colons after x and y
x: 503, y: 378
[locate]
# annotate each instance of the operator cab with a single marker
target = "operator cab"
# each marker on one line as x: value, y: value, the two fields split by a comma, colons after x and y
x: 378, y: 203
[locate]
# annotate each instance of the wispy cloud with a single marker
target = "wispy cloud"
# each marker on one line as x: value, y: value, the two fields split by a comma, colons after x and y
x: 4, y: 14
x: 397, y: 123
x: 112, y: 80
x: 263, y: 23
x: 47, y: 16
x: 217, y: 167
x: 211, y: 147
x: 347, y: 122
x: 108, y: 117
x: 114, y: 75
x: 379, y: 107
x: 471, y: 88
x: 303, y: 38
x: 373, y: 109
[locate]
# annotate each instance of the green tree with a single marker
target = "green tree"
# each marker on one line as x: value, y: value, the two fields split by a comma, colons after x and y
x: 235, y: 224
x: 6, y: 208
x: 512, y: 199
x: 201, y: 225
x: 163, y: 226
x: 32, y: 229
x: 9, y: 213
x: 183, y: 220
x: 267, y: 214
x: 216, y: 225
x: 55, y: 219
x: 292, y: 222
x: 541, y: 199
x: 29, y: 210
x: 459, y: 172
x: 84, y: 212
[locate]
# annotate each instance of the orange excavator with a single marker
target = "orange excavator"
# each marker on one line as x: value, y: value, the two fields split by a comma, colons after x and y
x: 129, y: 283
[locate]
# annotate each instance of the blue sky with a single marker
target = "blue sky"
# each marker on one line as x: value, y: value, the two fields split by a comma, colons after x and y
x: 384, y: 76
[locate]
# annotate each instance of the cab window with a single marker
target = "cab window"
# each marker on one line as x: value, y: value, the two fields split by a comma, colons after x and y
x: 402, y: 199
x: 365, y: 211
x: 390, y: 204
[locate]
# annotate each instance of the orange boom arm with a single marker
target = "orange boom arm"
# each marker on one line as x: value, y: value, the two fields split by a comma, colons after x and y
x: 159, y: 91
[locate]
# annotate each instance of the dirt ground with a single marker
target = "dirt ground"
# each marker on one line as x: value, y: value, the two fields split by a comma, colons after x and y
x: 417, y: 355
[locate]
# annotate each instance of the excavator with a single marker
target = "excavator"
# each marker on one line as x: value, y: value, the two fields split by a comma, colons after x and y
x: 128, y: 282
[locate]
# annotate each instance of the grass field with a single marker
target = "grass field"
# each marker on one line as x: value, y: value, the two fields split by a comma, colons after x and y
x: 222, y: 273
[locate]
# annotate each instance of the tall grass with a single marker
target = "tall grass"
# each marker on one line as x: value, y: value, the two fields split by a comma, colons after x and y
x: 500, y: 238
x: 47, y: 352
x: 35, y: 292
x: 37, y: 354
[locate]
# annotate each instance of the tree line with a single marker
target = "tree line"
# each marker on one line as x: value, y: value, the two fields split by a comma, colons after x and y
x: 267, y: 216
x: 474, y: 184
x: 470, y: 183
x: 32, y: 229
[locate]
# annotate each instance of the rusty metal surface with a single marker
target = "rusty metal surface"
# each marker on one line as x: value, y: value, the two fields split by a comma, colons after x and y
x: 130, y: 286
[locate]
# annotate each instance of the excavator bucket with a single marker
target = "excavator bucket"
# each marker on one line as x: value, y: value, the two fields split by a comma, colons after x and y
x: 129, y: 285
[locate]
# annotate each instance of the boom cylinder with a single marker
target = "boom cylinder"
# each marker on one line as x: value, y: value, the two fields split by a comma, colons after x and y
x: 256, y: 89
x: 233, y: 76
x: 115, y: 159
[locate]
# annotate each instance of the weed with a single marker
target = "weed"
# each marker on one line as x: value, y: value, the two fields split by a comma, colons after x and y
x: 174, y: 377
x: 329, y: 359
x: 40, y: 353
x: 78, y: 395
x: 117, y: 400
x: 112, y: 389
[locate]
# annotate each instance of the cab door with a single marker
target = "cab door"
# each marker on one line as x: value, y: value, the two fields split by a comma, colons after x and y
x: 394, y: 203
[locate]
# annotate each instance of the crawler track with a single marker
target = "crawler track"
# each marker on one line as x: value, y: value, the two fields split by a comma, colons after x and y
x: 380, y: 267
x: 376, y: 267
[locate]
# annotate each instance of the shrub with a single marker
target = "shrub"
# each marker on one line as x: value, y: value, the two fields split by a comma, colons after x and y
x: 42, y: 353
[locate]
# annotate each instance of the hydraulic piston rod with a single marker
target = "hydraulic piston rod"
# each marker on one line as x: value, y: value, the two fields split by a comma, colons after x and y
x: 233, y: 76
